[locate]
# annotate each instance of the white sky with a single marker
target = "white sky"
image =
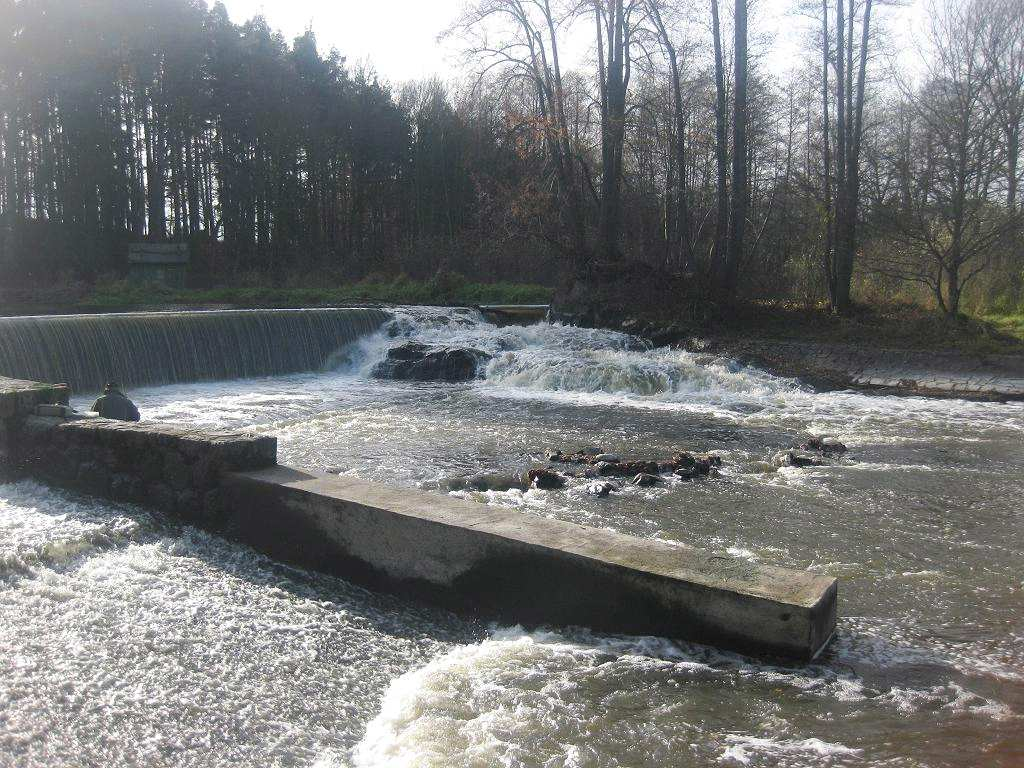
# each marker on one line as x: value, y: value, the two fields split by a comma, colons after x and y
x: 399, y: 37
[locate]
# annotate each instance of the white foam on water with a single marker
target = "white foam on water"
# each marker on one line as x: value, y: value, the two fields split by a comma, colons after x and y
x: 58, y: 531
x: 589, y: 367
x: 742, y: 749
x: 173, y: 647
x: 544, y: 698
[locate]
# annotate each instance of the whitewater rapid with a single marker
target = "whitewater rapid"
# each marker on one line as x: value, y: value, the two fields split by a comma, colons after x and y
x: 129, y: 639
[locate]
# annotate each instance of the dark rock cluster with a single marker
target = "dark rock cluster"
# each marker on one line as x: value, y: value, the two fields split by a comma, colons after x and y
x: 816, y: 451
x: 595, y: 465
x: 413, y: 361
x: 684, y: 465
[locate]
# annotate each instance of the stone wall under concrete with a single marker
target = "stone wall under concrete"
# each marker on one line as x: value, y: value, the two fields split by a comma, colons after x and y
x: 20, y: 398
x: 172, y: 468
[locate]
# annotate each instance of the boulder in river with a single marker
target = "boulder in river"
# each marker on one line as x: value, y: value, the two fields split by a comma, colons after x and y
x: 798, y: 459
x: 686, y: 473
x: 645, y: 480
x: 422, y: 362
x: 825, y: 444
x: 696, y: 463
x: 600, y: 489
x: 611, y: 465
x: 545, y: 479
x: 485, y: 481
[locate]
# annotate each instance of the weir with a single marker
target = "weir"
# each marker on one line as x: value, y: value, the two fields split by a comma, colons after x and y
x: 498, y: 563
x: 138, y: 349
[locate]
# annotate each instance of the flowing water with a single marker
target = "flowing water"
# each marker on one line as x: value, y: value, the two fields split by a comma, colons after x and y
x: 87, y: 351
x: 127, y: 639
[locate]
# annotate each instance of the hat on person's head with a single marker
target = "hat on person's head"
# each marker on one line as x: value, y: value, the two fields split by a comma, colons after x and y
x: 111, y: 385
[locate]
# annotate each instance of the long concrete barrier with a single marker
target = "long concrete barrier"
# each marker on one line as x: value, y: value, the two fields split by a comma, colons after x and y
x: 497, y: 563
x: 527, y: 569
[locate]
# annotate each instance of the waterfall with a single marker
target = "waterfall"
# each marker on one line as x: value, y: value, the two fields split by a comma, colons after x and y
x: 165, y: 347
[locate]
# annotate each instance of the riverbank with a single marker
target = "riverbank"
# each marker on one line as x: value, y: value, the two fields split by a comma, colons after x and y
x: 934, y: 373
x: 900, y: 350
x: 121, y: 296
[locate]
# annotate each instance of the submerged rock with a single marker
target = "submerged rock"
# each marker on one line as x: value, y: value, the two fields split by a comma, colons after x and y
x: 798, y: 459
x: 686, y: 465
x: 694, y: 464
x: 485, y: 481
x: 422, y: 362
x: 544, y: 479
x: 825, y: 444
x: 645, y: 480
x: 633, y: 468
x: 601, y: 489
x: 686, y: 473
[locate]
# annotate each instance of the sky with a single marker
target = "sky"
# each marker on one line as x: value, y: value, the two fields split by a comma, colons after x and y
x: 399, y: 37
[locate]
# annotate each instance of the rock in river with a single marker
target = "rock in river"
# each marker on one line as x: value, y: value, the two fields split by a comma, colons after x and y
x: 601, y: 489
x: 422, y: 362
x: 645, y: 480
x: 826, y: 444
x: 544, y: 479
x: 797, y: 459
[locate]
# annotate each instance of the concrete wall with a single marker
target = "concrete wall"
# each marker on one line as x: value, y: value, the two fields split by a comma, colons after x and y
x: 522, y: 568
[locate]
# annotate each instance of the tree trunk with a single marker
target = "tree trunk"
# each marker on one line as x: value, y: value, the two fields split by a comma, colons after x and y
x: 721, y: 253
x: 1012, y: 160
x: 737, y: 224
x: 954, y: 289
x: 827, y: 257
x: 847, y: 253
x: 613, y: 125
x: 683, y: 228
x: 841, y: 304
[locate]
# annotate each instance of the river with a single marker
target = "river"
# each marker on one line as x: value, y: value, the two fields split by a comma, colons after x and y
x: 129, y: 639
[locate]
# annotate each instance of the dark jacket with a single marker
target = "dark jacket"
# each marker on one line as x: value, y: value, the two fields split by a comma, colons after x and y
x: 114, y: 405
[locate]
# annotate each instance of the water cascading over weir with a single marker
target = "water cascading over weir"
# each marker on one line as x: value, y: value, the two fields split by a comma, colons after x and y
x: 171, y: 347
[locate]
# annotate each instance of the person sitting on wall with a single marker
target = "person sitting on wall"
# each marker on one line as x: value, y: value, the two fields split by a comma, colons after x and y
x: 113, y: 404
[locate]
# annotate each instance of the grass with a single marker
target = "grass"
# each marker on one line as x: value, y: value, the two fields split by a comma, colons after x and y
x: 898, y: 326
x: 1011, y: 325
x: 455, y: 291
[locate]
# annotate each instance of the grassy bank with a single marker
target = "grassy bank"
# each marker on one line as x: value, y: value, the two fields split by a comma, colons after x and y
x: 897, y: 326
x: 1011, y: 325
x: 401, y: 291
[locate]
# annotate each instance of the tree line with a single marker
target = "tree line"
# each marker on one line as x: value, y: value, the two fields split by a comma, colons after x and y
x: 672, y: 145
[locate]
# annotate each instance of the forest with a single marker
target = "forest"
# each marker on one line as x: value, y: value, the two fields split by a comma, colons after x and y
x: 862, y: 174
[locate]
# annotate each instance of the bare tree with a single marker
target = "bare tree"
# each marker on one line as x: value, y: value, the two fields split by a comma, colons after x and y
x: 684, y: 236
x: 952, y: 226
x: 1004, y: 49
x: 528, y: 48
x: 849, y: 134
